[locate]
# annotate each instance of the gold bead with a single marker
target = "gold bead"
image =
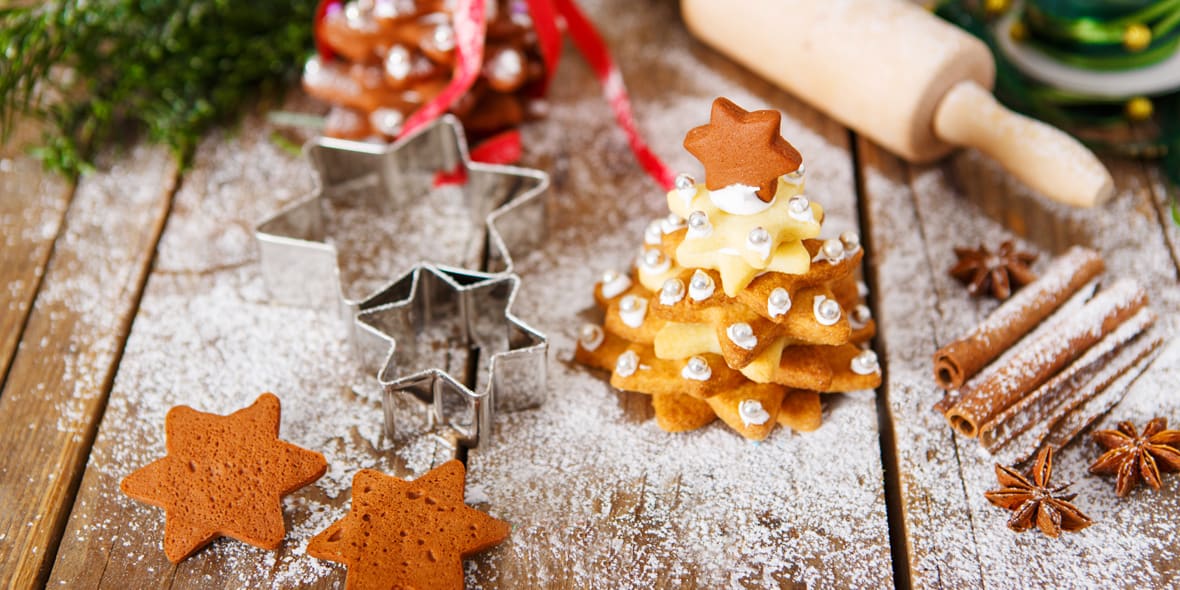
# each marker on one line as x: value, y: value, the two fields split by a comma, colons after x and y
x: 1136, y: 37
x: 1139, y: 108
x: 994, y: 7
x: 1018, y: 31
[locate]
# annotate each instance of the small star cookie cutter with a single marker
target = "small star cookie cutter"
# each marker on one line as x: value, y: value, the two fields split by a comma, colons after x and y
x: 427, y: 390
x: 300, y: 265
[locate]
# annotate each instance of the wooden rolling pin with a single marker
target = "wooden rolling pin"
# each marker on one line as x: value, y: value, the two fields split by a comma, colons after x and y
x: 901, y: 76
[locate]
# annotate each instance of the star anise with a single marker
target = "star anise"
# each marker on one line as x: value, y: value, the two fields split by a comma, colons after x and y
x: 1035, y: 503
x: 1134, y: 457
x: 999, y: 273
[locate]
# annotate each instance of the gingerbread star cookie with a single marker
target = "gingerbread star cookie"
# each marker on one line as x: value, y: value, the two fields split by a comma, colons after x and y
x: 224, y: 476
x: 408, y: 534
x: 742, y: 147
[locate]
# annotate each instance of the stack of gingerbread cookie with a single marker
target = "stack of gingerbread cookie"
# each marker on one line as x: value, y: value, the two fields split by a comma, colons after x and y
x: 735, y: 308
x: 393, y: 56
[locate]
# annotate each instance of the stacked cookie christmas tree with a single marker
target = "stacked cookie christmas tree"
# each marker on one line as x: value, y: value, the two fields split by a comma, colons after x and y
x: 735, y: 309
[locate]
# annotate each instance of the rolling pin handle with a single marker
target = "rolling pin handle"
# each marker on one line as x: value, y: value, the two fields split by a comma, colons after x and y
x: 1043, y: 157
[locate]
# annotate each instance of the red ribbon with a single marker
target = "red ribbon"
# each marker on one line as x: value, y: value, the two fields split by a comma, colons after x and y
x: 469, y: 25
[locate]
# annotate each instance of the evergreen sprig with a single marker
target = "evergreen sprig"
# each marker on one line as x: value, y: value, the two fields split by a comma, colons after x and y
x: 95, y: 70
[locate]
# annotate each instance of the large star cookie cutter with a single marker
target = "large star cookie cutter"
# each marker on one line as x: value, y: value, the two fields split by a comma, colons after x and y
x: 300, y: 265
x: 431, y: 389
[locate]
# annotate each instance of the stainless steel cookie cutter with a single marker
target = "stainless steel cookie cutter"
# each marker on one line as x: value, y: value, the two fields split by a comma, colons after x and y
x: 428, y: 391
x: 301, y: 267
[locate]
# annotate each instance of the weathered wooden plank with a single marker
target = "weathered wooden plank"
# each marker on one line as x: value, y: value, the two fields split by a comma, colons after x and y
x: 954, y: 537
x: 60, y: 376
x: 597, y: 494
x: 206, y: 336
x: 32, y: 207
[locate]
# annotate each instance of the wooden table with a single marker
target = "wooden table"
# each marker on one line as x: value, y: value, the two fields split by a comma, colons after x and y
x: 137, y: 288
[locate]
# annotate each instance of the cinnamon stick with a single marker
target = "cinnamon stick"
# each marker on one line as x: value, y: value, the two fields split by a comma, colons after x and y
x: 1049, y: 326
x: 1093, y: 399
x: 957, y: 362
x: 1058, y: 395
x: 1035, y: 362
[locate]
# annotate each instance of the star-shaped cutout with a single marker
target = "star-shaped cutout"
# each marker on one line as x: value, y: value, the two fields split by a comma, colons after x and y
x: 408, y: 534
x: 224, y: 476
x: 742, y: 147
x: 458, y: 312
x: 300, y: 262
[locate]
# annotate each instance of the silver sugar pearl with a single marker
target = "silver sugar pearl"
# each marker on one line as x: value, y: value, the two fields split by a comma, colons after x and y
x: 698, y: 220
x: 758, y: 236
x: 610, y: 276
x: 627, y: 364
x: 397, y: 62
x: 697, y: 365
x: 865, y: 363
x: 850, y: 239
x: 829, y: 310
x: 629, y: 303
x: 444, y: 37
x: 798, y: 173
x: 673, y: 288
x: 701, y: 282
x: 861, y: 314
x: 653, y: 258
x: 780, y: 298
x: 833, y: 249
x: 588, y: 333
x: 799, y: 204
x: 742, y: 330
x: 684, y: 181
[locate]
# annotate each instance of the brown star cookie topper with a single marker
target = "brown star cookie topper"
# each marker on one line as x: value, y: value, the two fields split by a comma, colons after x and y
x: 408, y: 534
x: 742, y: 147
x: 224, y: 476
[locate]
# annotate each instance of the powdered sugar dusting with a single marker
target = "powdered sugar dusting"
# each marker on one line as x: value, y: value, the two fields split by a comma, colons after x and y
x: 959, y: 539
x: 598, y: 495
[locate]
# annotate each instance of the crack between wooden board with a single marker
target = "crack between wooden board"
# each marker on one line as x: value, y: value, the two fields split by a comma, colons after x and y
x: 934, y: 332
x: 1160, y: 204
x: 899, y: 548
x: 39, y: 278
x: 88, y: 437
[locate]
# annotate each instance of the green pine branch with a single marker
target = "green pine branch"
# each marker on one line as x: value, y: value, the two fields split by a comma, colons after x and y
x: 93, y: 70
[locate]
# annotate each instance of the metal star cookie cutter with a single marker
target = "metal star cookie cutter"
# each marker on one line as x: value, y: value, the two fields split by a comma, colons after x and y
x: 425, y: 386
x: 301, y: 266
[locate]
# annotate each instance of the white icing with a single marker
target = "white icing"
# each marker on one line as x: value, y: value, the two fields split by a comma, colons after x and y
x: 739, y: 199
x: 701, y: 286
x: 672, y: 292
x: 729, y: 251
x: 862, y: 289
x: 627, y: 364
x: 591, y: 337
x: 615, y: 285
x: 697, y: 229
x: 632, y: 310
x: 653, y: 235
x: 762, y: 248
x: 387, y: 121
x: 752, y: 413
x: 819, y: 301
x: 742, y: 335
x: 696, y: 369
x: 775, y: 305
